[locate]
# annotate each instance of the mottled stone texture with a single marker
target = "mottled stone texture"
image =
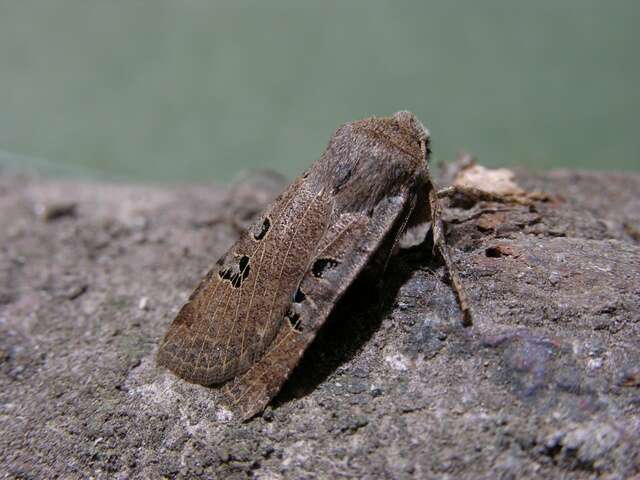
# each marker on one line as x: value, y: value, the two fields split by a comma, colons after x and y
x: 545, y: 384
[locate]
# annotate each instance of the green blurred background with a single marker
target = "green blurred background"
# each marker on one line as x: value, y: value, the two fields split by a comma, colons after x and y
x: 168, y: 90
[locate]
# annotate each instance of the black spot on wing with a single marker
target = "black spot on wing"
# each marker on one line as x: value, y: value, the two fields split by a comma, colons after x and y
x: 244, y: 266
x: 299, y: 296
x: 226, y: 273
x: 266, y: 225
x: 343, y: 175
x: 236, y: 274
x: 294, y: 321
x: 322, y: 265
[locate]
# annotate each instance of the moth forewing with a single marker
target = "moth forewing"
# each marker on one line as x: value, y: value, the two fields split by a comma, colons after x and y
x: 253, y: 316
x: 235, y: 313
x: 345, y: 250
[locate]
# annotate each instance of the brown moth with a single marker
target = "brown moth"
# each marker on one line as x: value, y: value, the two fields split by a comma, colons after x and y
x: 252, y: 317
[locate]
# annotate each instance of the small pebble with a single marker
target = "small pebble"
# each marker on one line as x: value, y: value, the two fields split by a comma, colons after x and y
x: 267, y: 415
x: 356, y: 388
x: 55, y: 210
x: 76, y: 291
x: 375, y: 392
x: 594, y: 363
x: 144, y: 304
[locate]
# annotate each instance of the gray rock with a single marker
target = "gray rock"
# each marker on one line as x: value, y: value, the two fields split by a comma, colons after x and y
x: 545, y: 384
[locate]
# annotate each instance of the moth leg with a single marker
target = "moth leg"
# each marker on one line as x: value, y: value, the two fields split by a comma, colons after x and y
x: 250, y: 393
x: 440, y: 243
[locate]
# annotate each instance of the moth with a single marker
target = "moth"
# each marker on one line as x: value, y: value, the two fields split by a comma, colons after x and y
x: 252, y: 317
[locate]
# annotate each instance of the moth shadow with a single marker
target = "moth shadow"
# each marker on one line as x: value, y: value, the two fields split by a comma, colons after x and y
x: 351, y: 325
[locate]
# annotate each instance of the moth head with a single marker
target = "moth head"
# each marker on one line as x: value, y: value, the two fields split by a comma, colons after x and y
x: 369, y: 160
x: 408, y: 122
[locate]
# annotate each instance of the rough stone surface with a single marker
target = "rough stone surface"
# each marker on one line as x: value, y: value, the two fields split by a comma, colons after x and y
x: 545, y: 384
